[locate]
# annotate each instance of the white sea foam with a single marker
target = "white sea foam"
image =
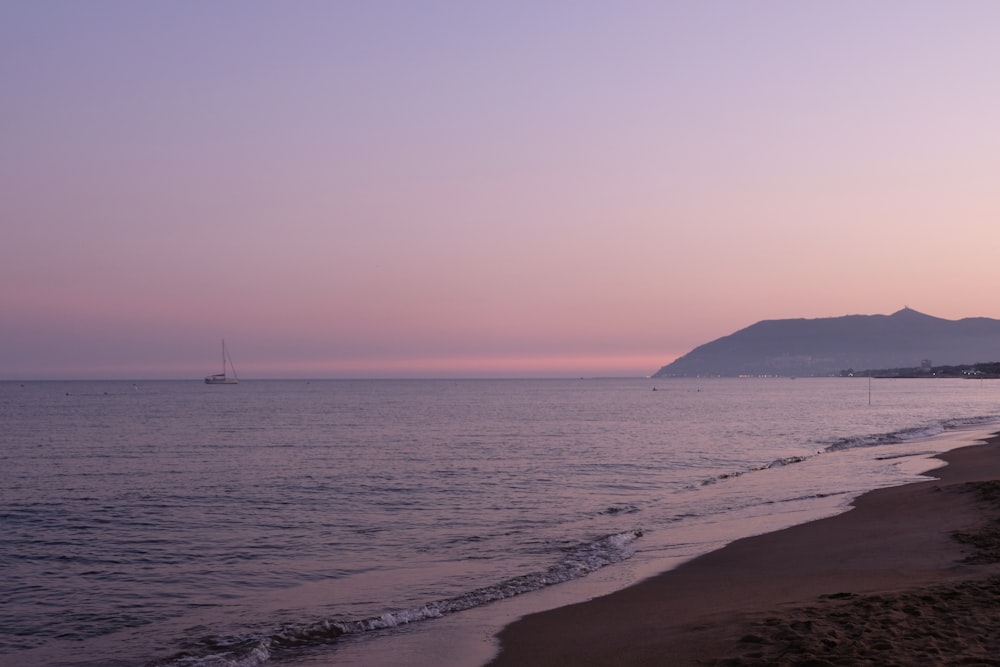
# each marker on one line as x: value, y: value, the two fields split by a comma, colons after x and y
x: 579, y: 562
x: 910, y: 433
x: 180, y: 516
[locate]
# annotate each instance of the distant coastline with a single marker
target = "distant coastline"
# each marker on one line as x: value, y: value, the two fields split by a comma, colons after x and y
x: 989, y: 370
x: 824, y: 347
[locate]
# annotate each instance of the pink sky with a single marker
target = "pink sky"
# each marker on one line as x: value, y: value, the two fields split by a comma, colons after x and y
x: 394, y: 189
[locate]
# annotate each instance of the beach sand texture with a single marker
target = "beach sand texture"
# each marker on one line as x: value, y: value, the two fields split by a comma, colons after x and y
x: 909, y: 576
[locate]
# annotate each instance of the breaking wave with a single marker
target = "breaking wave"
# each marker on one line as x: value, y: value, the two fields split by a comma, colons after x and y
x: 870, y: 440
x: 777, y: 463
x: 908, y: 434
x: 255, y: 650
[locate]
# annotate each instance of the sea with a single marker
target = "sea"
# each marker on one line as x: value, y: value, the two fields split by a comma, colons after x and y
x: 405, y: 522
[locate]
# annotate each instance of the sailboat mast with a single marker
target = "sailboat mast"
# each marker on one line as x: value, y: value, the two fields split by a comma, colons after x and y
x: 224, y: 377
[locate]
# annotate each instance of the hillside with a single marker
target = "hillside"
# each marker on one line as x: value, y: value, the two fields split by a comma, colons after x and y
x: 826, y: 346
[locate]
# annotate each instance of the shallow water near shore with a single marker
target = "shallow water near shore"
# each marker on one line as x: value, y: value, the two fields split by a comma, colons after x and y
x: 356, y: 522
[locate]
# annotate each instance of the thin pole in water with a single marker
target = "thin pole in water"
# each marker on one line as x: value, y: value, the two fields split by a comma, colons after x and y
x: 869, y: 387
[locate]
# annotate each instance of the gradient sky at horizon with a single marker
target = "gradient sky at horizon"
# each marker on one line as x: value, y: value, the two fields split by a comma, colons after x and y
x: 445, y: 189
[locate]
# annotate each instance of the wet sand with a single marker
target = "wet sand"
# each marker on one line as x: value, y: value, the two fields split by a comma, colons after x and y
x: 909, y: 576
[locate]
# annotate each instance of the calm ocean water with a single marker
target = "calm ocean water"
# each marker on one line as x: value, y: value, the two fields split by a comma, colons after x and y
x: 364, y: 522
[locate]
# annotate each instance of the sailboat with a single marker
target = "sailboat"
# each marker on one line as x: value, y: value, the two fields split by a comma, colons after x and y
x: 223, y: 377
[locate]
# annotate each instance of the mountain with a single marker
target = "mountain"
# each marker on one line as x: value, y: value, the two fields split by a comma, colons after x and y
x: 826, y: 346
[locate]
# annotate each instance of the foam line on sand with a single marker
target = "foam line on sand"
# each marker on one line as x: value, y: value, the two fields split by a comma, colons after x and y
x: 909, y: 576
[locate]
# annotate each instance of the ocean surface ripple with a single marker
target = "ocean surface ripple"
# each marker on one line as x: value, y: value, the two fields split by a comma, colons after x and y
x: 178, y: 524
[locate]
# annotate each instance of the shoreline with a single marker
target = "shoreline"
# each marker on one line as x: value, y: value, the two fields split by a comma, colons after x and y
x: 864, y: 586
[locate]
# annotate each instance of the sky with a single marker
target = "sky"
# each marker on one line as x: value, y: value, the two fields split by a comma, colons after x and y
x: 481, y: 189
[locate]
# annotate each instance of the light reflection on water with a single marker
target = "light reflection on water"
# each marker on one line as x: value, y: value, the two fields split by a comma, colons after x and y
x: 184, y: 509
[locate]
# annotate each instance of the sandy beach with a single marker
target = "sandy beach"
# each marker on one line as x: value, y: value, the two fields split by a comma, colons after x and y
x: 909, y: 576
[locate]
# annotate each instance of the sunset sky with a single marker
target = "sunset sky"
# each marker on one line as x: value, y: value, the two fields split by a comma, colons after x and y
x: 482, y: 189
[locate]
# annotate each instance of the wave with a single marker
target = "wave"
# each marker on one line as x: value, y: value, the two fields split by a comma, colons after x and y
x: 255, y: 650
x: 777, y: 463
x: 620, y: 509
x: 912, y: 433
x: 870, y: 440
